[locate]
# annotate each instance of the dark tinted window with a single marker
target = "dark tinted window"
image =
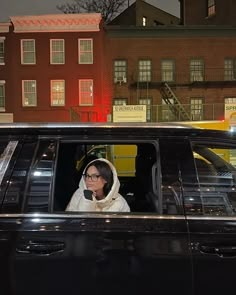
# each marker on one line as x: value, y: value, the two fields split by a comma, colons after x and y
x: 215, y: 165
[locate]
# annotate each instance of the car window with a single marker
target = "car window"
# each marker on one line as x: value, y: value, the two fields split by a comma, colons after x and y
x: 30, y: 184
x: 134, y: 163
x: 8, y: 154
x: 215, y: 165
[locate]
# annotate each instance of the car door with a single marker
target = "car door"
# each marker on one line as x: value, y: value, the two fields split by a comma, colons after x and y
x: 210, y: 207
x: 52, y: 252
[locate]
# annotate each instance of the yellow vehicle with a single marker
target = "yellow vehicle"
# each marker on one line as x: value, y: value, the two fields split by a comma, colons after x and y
x: 122, y: 157
x: 214, y: 124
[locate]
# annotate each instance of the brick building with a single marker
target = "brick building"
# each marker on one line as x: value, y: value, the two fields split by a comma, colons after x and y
x: 56, y: 64
x: 72, y: 67
x: 179, y: 72
x: 208, y: 12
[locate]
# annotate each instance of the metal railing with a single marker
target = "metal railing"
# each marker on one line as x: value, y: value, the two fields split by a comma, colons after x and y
x: 154, y: 113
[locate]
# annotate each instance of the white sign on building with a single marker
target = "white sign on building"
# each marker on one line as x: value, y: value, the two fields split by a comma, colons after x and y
x: 129, y: 113
x: 230, y: 113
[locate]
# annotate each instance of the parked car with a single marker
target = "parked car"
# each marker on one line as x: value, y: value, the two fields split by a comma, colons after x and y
x: 179, y: 238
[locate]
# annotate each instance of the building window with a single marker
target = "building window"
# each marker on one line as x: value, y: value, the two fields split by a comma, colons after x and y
x: 196, y: 108
x: 120, y: 101
x: 28, y: 55
x: 148, y: 103
x: 86, y: 92
x: 2, y: 96
x: 120, y: 71
x: 57, y: 51
x: 85, y: 51
x: 2, y: 54
x: 57, y: 92
x: 144, y: 21
x: 29, y: 93
x: 144, y: 70
x: 167, y: 113
x: 196, y: 70
x: 230, y: 69
x: 168, y: 70
x: 211, y: 7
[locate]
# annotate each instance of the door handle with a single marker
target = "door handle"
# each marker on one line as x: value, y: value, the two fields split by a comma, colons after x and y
x: 221, y: 251
x: 40, y: 247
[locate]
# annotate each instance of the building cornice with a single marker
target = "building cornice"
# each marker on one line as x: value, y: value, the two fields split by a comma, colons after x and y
x: 4, y: 27
x: 173, y: 31
x: 80, y: 22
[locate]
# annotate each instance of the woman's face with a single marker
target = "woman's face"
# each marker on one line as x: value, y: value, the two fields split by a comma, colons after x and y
x: 94, y: 181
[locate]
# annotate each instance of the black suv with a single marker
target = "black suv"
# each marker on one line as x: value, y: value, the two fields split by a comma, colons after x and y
x: 179, y: 238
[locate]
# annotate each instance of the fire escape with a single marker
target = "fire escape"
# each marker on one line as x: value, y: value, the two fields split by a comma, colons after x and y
x: 173, y: 103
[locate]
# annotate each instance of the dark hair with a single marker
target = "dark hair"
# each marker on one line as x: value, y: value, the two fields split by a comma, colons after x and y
x: 105, y: 171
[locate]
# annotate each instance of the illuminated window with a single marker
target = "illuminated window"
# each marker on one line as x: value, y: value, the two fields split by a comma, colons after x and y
x: 148, y: 103
x: 2, y: 55
x: 120, y: 71
x: 211, y: 7
x: 57, y: 92
x: 120, y: 101
x: 144, y: 21
x: 144, y: 70
x: 85, y: 51
x: 196, y: 70
x: 196, y: 108
x: 29, y: 93
x: 230, y: 69
x: 86, y: 92
x: 28, y: 55
x: 168, y: 70
x: 2, y: 95
x: 57, y: 51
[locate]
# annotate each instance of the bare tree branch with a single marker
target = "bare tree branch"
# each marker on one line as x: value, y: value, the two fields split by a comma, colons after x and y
x: 108, y: 8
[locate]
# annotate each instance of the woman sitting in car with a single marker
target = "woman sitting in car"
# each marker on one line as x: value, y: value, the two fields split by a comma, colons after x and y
x: 98, y: 189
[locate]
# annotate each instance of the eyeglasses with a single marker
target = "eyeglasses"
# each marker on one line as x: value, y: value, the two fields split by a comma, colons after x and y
x: 92, y: 177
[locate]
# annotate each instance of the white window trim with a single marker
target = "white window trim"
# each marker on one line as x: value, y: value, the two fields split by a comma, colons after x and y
x: 2, y: 40
x: 23, y: 95
x: 3, y: 109
x: 51, y: 92
x: 51, y: 62
x: 82, y: 39
x: 22, y: 58
x: 80, y: 99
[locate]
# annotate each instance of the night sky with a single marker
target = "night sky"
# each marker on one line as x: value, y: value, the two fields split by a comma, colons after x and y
x: 34, y: 7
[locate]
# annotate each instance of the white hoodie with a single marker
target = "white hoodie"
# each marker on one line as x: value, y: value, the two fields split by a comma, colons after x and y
x: 113, y: 202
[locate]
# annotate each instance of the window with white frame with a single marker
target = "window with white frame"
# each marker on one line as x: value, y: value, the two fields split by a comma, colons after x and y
x: 57, y: 92
x: 230, y: 100
x: 120, y: 71
x: 85, y: 51
x: 148, y: 103
x: 168, y: 70
x: 211, y: 7
x: 28, y: 56
x: 230, y: 69
x: 196, y: 70
x: 57, y: 51
x: 86, y: 92
x: 120, y: 101
x: 196, y: 109
x: 144, y: 70
x: 29, y: 93
x: 2, y: 96
x: 2, y: 53
x: 166, y: 111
